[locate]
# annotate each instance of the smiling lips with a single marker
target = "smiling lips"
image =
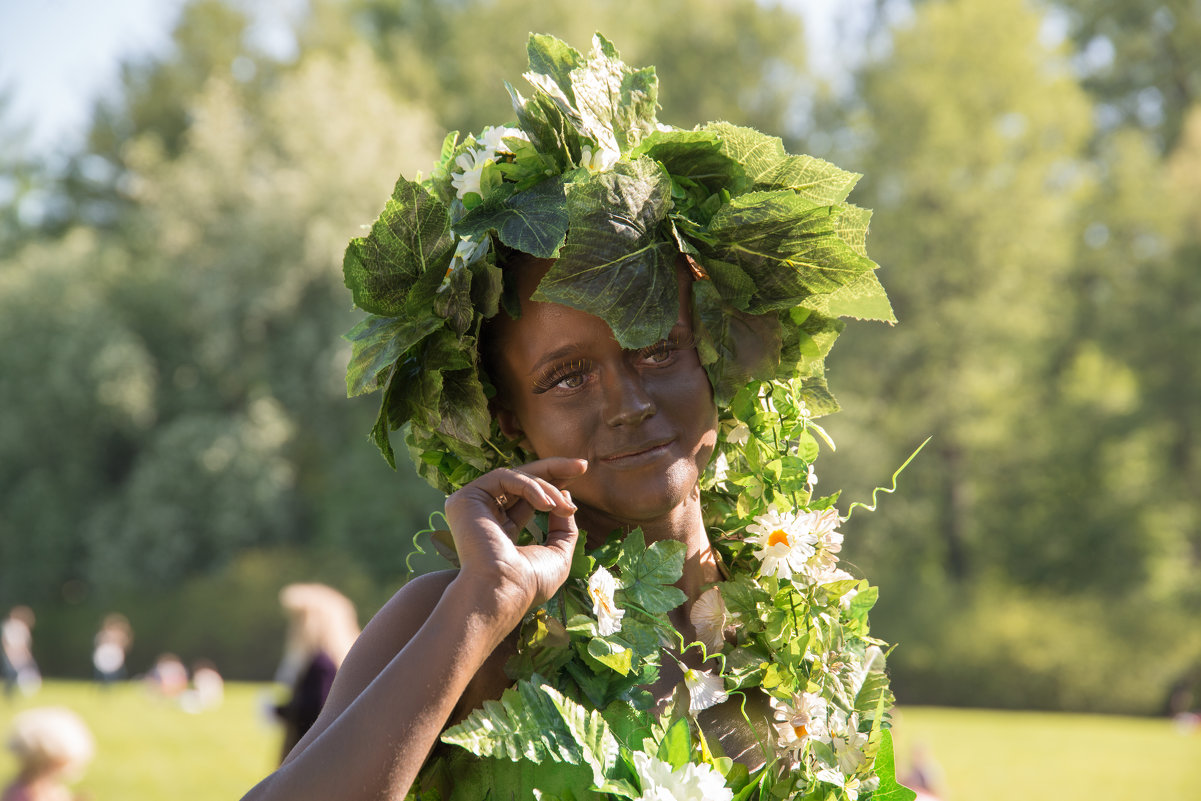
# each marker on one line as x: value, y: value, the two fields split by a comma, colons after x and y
x: 637, y: 454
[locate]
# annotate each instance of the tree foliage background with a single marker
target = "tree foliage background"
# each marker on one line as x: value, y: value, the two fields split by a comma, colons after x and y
x: 176, y: 443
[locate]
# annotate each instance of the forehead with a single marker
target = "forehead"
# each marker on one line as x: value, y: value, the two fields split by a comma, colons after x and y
x: 545, y: 327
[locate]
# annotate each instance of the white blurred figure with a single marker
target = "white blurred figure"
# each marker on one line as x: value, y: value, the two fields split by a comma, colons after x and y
x: 52, y: 746
x: 16, y: 653
x: 109, y: 647
x: 207, y: 690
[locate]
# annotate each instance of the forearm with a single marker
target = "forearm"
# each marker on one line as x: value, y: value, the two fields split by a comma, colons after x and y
x: 375, y: 746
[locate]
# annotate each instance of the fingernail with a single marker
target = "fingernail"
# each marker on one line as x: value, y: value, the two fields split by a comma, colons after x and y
x: 570, y: 501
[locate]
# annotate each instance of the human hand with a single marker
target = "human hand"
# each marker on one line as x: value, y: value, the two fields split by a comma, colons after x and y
x: 486, y: 517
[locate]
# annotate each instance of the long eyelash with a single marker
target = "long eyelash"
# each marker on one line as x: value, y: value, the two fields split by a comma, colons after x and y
x: 673, y: 342
x: 548, y: 379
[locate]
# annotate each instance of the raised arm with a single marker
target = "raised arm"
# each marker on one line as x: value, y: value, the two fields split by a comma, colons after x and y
x: 401, y: 681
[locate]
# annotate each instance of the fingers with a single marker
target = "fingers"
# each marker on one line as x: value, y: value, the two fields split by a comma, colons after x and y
x: 558, y: 470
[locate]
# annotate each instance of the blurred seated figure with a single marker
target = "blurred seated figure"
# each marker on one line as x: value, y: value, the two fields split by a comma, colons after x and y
x: 110, y: 645
x: 168, y: 677
x: 207, y: 690
x: 322, y: 625
x: 52, y: 746
x: 16, y: 653
x: 925, y: 776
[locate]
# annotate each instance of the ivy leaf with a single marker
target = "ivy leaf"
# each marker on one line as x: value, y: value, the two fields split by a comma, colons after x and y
x: 786, y: 245
x: 615, y: 264
x: 647, y: 574
x: 377, y: 342
x: 410, y: 239
x: 533, y: 221
x: 769, y: 166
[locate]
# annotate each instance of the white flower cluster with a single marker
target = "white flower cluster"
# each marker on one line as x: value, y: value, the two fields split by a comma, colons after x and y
x: 690, y: 782
x: 471, y: 162
x: 808, y: 717
x: 799, y: 547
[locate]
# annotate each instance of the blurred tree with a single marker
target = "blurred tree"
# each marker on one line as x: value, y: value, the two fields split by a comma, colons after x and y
x: 452, y: 57
x: 1142, y: 60
x: 974, y: 137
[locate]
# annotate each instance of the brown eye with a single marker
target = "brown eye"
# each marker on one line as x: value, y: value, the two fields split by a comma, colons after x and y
x: 658, y: 353
x: 571, y: 375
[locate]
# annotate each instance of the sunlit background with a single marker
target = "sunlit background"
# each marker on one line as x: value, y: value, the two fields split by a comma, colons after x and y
x: 178, y: 181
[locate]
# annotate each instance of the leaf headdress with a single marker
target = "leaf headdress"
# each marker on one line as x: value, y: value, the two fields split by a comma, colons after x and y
x: 587, y: 176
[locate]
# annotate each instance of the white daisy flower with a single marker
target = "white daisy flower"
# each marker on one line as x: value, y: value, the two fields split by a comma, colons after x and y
x: 799, y: 720
x: 598, y: 159
x: 851, y: 786
x: 601, y: 587
x: 493, y: 138
x: 824, y: 525
x: 688, y: 783
x: 847, y: 741
x: 471, y: 165
x: 786, y: 542
x: 740, y: 434
x: 708, y: 616
x: 704, y: 689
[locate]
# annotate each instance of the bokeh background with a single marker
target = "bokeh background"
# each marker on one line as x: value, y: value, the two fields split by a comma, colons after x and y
x: 178, y: 180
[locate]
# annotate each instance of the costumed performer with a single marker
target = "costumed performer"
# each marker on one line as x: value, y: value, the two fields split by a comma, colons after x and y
x: 571, y: 316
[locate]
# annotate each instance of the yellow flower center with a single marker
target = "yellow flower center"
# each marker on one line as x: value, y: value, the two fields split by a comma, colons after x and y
x: 801, y: 732
x: 778, y: 537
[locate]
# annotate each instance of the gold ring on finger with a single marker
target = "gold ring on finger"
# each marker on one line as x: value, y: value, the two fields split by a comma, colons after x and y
x: 501, y: 501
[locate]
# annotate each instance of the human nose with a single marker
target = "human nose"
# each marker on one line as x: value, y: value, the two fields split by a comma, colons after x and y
x: 626, y: 401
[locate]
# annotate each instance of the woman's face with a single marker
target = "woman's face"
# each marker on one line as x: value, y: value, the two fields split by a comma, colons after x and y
x: 644, y: 420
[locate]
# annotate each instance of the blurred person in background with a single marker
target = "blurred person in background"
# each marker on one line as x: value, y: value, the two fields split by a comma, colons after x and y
x: 109, y: 647
x: 168, y: 677
x: 322, y: 625
x: 52, y: 746
x: 16, y: 652
x: 207, y: 690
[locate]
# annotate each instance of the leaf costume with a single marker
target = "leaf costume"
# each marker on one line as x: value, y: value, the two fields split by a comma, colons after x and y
x: 588, y: 176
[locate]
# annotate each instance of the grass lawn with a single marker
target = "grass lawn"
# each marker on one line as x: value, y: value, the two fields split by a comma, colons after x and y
x: 149, y: 749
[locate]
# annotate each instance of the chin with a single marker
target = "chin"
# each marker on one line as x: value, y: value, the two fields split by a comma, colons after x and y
x: 641, y: 500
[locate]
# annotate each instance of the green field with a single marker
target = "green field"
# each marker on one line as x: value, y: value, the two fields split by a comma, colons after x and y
x: 148, y: 749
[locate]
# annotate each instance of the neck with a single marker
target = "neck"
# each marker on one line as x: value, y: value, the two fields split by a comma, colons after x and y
x: 684, y: 523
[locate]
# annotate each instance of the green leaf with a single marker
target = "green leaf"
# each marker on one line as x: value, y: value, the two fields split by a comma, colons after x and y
x: 676, y: 747
x: 524, y: 724
x: 377, y: 342
x: 410, y: 239
x: 597, y: 745
x: 862, y: 298
x: 889, y: 789
x: 615, y: 264
x: 786, y: 245
x: 616, y: 103
x: 647, y: 574
x: 695, y: 155
x: 769, y: 166
x: 735, y: 347
x: 554, y: 58
x: 533, y: 221
x: 611, y: 654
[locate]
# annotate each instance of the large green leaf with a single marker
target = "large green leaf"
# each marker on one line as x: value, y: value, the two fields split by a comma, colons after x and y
x: 555, y: 59
x: 523, y: 724
x: 533, y: 221
x: 695, y: 155
x: 647, y: 574
x: 889, y: 789
x: 410, y: 239
x: 863, y: 298
x: 616, y: 103
x: 786, y: 245
x: 769, y: 166
x: 377, y: 342
x: 616, y: 264
x: 597, y: 745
